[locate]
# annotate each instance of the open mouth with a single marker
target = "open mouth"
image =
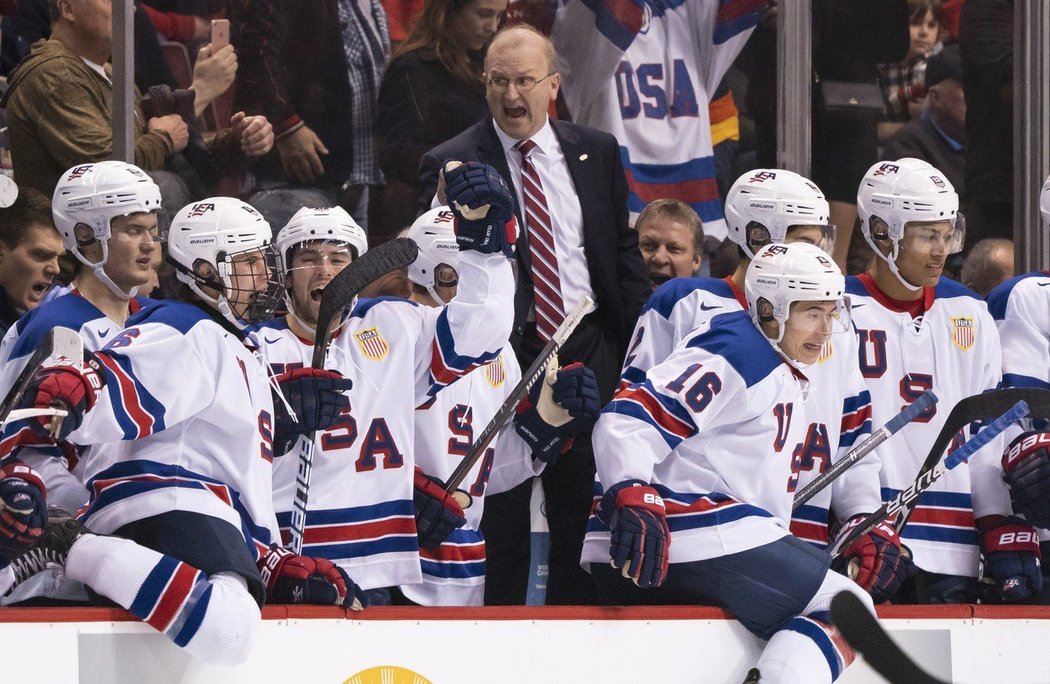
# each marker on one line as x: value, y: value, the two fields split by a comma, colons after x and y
x: 315, y: 294
x: 514, y: 112
x: 40, y: 289
x: 659, y: 279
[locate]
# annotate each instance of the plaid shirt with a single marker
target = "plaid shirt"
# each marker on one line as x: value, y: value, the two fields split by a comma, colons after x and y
x: 903, y: 83
x: 367, y: 48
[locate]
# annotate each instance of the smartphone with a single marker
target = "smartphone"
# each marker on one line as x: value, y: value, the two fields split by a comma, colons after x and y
x: 220, y: 34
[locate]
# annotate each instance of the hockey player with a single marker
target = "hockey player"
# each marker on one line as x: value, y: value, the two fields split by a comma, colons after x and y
x: 775, y: 205
x: 370, y: 508
x: 453, y: 573
x: 179, y: 414
x: 697, y: 469
x: 920, y: 331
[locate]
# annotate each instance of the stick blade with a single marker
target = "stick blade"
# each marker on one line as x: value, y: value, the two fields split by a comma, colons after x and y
x: 864, y: 633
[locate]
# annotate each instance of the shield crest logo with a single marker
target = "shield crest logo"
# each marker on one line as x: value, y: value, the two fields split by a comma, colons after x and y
x: 964, y: 332
x: 372, y: 344
x: 496, y: 372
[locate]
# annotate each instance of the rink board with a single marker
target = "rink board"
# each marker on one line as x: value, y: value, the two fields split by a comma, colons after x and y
x: 496, y: 645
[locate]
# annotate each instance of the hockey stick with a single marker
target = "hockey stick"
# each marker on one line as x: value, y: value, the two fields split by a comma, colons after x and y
x: 910, y: 413
x: 59, y: 342
x: 864, y: 633
x: 337, y: 295
x: 505, y: 411
x: 910, y: 494
x: 976, y: 408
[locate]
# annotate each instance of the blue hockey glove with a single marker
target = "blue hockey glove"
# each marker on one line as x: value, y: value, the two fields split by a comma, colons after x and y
x: 291, y: 578
x: 483, y: 207
x: 1026, y: 470
x: 23, y: 508
x: 66, y: 384
x: 437, y: 513
x: 874, y: 561
x: 1011, y: 556
x: 558, y: 407
x: 639, y: 539
x: 315, y: 396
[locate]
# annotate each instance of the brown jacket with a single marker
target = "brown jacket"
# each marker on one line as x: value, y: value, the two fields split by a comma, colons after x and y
x: 59, y: 113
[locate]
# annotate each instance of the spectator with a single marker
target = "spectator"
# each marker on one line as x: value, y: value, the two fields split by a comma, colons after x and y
x: 29, y: 250
x: 939, y: 135
x: 313, y: 68
x: 670, y: 238
x: 903, y: 83
x: 989, y: 263
x: 432, y: 91
x: 585, y: 247
x: 986, y: 41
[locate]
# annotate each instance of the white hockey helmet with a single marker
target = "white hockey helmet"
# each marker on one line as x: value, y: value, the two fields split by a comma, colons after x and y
x: 331, y: 224
x: 92, y: 195
x: 1044, y: 203
x: 893, y: 194
x: 433, y: 233
x: 216, y: 231
x: 764, y: 204
x: 781, y: 275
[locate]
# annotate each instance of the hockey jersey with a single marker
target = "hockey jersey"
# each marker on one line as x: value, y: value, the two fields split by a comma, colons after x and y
x: 715, y: 428
x: 683, y: 306
x: 1021, y: 309
x: 952, y: 348
x: 399, y: 355
x: 645, y: 72
x: 446, y: 427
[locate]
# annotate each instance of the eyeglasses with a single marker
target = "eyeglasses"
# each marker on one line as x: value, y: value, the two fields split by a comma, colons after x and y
x: 523, y: 84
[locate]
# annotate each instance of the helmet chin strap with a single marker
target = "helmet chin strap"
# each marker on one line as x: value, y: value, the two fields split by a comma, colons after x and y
x: 221, y: 304
x: 892, y: 262
x: 98, y: 270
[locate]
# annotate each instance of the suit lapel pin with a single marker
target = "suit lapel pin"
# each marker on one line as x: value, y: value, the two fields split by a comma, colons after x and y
x: 583, y: 157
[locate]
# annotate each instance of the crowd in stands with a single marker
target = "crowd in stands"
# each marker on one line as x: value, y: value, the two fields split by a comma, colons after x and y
x: 614, y: 163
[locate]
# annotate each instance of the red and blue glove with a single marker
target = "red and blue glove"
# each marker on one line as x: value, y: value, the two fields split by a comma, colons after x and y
x: 23, y: 508
x: 575, y: 390
x: 437, y: 512
x: 291, y: 578
x: 470, y: 186
x: 1011, y: 556
x: 68, y: 385
x: 316, y: 397
x: 639, y: 538
x: 1026, y: 470
x: 875, y: 560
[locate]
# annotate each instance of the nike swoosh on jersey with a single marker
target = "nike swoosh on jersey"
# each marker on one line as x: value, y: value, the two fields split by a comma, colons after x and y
x: 269, y: 341
x: 103, y: 333
x: 708, y: 308
x: 1042, y: 284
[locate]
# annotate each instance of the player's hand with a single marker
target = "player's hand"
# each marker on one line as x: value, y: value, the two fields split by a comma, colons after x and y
x: 1026, y: 469
x: 254, y: 133
x: 437, y: 513
x: 316, y: 397
x: 66, y: 384
x: 874, y: 560
x: 1011, y: 556
x: 300, y: 152
x: 291, y: 578
x: 484, y: 210
x: 558, y: 407
x: 23, y: 508
x: 639, y: 539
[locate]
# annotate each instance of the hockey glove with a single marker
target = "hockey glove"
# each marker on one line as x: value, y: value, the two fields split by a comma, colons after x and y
x: 560, y: 406
x: 23, y: 508
x: 437, y: 513
x: 639, y: 539
x: 316, y: 398
x: 68, y: 385
x: 291, y: 578
x: 1011, y: 556
x: 471, y: 187
x: 874, y: 560
x: 1026, y: 469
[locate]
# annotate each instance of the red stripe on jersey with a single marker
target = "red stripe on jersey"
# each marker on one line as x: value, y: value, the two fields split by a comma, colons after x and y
x: 942, y: 516
x: 656, y: 410
x: 442, y: 373
x: 129, y: 396
x: 810, y: 531
x: 701, y: 505
x: 735, y: 9
x: 698, y: 190
x: 455, y: 552
x: 221, y: 491
x: 173, y: 596
x: 365, y: 530
x: 852, y: 421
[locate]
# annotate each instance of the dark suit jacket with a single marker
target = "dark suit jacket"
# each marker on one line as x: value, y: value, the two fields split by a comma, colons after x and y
x: 918, y: 138
x: 610, y: 245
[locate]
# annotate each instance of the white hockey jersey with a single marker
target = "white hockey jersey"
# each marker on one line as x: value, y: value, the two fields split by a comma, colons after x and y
x: 446, y: 427
x: 185, y: 423
x: 682, y: 307
x: 645, y: 72
x: 953, y: 349
x: 1021, y: 309
x: 715, y: 429
x: 399, y: 355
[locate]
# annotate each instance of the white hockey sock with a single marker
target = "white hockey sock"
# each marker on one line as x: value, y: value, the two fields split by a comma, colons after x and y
x: 805, y: 651
x: 170, y: 596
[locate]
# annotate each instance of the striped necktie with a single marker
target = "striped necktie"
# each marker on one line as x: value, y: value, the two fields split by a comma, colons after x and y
x: 550, y: 310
